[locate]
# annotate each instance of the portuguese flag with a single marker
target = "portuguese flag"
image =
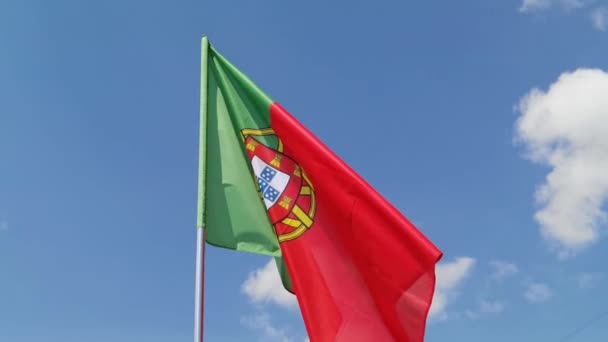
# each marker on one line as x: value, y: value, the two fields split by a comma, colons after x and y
x: 359, y: 269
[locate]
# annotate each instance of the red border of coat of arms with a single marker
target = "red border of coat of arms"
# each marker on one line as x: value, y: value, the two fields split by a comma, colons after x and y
x: 285, y: 189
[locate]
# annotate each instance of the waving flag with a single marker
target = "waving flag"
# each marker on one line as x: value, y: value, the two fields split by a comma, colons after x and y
x: 360, y: 270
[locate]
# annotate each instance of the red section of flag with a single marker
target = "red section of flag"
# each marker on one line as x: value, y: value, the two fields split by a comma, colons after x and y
x: 362, y: 272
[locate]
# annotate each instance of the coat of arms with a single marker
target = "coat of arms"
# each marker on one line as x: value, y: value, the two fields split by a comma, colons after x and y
x: 284, y: 188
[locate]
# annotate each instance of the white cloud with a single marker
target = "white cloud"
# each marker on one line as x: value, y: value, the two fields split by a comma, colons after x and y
x: 538, y: 292
x: 485, y: 307
x: 566, y: 128
x: 589, y: 280
x: 470, y: 314
x: 503, y: 269
x: 599, y: 18
x: 537, y: 5
x: 449, y: 276
x: 264, y: 285
x: 269, y: 333
x: 491, y: 307
x: 533, y: 5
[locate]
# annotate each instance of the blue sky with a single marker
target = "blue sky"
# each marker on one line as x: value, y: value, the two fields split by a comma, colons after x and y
x: 432, y: 102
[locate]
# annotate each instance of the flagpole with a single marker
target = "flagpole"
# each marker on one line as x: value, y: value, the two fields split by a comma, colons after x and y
x: 200, y: 285
x: 199, y: 296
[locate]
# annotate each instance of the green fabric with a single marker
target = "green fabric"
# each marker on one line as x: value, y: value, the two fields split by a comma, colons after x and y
x: 235, y: 217
x: 230, y: 207
x: 202, y: 157
x: 284, y: 273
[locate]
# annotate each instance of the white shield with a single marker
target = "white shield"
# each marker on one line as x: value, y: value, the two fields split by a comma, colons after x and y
x: 271, y: 181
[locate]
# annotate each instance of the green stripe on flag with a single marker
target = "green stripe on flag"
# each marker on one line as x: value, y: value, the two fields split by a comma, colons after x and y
x: 202, y: 157
x: 233, y: 213
x: 229, y: 205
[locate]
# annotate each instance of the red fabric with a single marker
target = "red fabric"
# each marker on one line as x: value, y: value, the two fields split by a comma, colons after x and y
x: 362, y: 272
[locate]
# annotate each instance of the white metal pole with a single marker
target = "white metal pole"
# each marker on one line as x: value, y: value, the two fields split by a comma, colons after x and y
x: 199, y: 296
